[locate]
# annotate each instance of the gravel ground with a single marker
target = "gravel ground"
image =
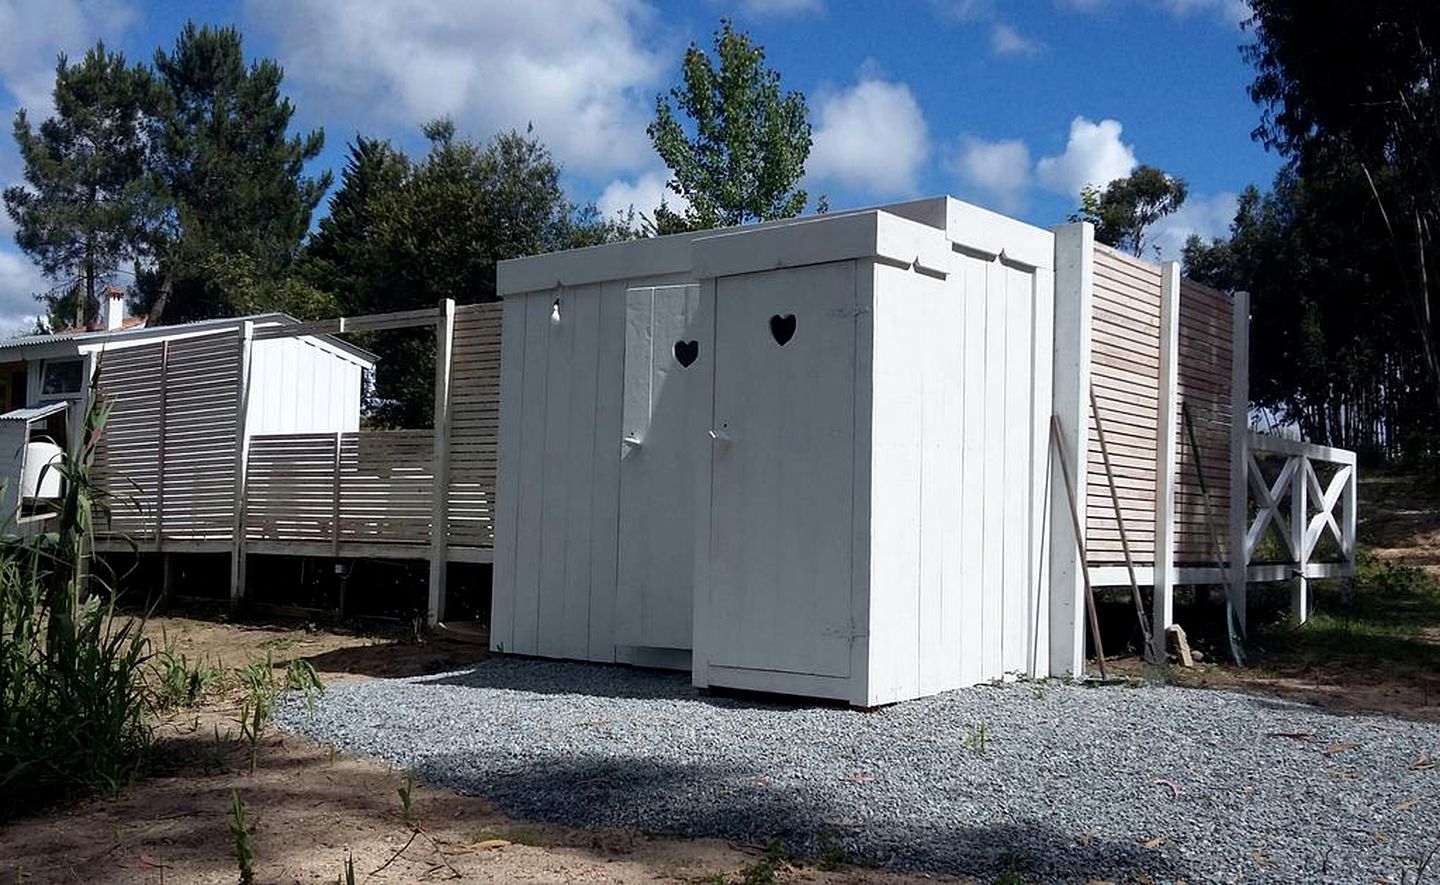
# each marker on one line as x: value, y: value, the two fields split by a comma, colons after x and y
x: 1055, y: 782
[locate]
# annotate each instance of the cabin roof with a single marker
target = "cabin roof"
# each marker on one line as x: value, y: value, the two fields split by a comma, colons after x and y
x: 15, y: 347
x: 32, y: 413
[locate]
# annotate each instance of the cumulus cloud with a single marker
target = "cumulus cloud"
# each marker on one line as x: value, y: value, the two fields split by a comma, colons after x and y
x: 1206, y: 217
x: 1006, y: 41
x: 584, y: 74
x: 871, y: 137
x: 781, y: 8
x: 33, y: 32
x: 20, y: 281
x: 1093, y: 155
x: 1233, y: 12
x: 642, y: 193
x: 999, y: 170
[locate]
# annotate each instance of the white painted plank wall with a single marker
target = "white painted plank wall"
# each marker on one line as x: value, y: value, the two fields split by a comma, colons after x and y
x: 558, y: 482
x: 299, y: 387
x: 667, y: 414
x: 959, y: 430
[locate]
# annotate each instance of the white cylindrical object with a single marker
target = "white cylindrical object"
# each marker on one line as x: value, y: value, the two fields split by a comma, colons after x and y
x: 41, y: 479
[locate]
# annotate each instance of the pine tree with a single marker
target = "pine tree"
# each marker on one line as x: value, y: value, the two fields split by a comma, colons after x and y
x: 89, y: 202
x: 241, y: 203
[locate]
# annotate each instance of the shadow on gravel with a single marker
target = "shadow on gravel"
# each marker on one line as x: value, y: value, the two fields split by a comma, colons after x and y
x: 746, y: 806
x: 606, y: 681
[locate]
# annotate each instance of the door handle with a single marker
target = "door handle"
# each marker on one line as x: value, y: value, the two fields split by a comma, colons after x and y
x: 721, y: 437
x: 633, y: 442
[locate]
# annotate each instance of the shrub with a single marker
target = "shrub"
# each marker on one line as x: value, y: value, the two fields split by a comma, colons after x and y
x: 72, y: 690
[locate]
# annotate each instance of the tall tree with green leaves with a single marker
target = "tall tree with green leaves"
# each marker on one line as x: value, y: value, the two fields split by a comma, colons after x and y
x: 89, y: 201
x: 404, y: 234
x: 240, y: 199
x: 739, y: 153
x: 1126, y: 208
x: 1334, y: 351
x: 1346, y: 84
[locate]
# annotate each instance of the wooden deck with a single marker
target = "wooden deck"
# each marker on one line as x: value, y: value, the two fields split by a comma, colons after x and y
x: 182, y: 474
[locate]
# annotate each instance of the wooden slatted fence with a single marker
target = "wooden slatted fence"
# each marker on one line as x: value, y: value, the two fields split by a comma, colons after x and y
x: 1125, y: 375
x: 374, y: 486
x: 166, y: 457
x: 1204, y: 372
x: 474, y: 425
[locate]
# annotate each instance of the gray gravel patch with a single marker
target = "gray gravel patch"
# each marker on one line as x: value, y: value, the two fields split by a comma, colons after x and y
x: 1056, y: 782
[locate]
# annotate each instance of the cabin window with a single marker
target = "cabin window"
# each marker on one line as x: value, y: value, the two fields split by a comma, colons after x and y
x: 61, y: 378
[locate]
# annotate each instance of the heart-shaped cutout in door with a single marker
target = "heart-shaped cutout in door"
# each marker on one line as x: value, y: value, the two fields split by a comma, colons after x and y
x: 686, y: 352
x: 782, y: 328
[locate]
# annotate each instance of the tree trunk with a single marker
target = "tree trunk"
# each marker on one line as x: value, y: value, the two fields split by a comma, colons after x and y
x: 83, y: 307
x: 157, y: 310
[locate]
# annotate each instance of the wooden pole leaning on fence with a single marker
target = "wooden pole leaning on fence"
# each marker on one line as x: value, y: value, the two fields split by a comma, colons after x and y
x: 1151, y: 653
x: 1058, y: 438
x: 1236, y: 652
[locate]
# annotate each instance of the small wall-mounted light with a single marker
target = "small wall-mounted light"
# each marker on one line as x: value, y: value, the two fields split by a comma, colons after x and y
x: 555, y: 313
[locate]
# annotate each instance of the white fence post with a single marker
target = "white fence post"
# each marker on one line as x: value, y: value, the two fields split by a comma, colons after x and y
x: 1167, y: 456
x: 1074, y: 281
x: 1349, y: 501
x: 440, y: 498
x: 335, y: 494
x: 1300, y: 538
x: 1239, y: 552
x: 242, y: 457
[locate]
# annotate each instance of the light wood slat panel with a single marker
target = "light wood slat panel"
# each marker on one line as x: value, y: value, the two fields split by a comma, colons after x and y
x: 1203, y: 365
x: 1124, y: 373
x: 474, y: 425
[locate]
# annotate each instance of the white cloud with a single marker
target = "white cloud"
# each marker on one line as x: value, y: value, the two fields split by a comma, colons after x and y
x: 1231, y: 12
x: 642, y: 193
x: 585, y: 74
x: 1093, y: 155
x: 1006, y: 41
x: 33, y: 32
x: 1206, y: 217
x: 1000, y: 170
x: 781, y: 8
x: 871, y: 137
x: 20, y: 281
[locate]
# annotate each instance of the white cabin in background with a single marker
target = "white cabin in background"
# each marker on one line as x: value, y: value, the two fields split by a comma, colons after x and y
x: 174, y: 396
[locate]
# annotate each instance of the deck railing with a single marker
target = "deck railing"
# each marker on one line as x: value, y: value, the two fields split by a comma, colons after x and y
x: 1303, y: 503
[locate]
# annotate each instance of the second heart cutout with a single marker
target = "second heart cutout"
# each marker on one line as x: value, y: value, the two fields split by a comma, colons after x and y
x: 686, y: 352
x: 782, y: 328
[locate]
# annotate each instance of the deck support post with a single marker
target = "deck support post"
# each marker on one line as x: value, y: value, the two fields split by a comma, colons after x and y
x: 1074, y: 283
x: 1239, y: 554
x: 1299, y: 531
x: 242, y: 458
x: 439, y: 528
x: 1167, y: 458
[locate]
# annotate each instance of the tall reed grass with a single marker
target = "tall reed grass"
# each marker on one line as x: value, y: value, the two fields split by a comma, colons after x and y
x: 73, y: 698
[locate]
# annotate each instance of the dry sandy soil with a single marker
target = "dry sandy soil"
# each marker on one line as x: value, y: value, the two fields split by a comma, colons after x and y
x: 309, y: 808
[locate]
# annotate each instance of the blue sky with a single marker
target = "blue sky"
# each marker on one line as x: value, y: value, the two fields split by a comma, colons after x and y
x: 1012, y: 104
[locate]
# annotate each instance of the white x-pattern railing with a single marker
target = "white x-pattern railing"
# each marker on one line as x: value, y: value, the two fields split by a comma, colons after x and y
x: 1302, y: 510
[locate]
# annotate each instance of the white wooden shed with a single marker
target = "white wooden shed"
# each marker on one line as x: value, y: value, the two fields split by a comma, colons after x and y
x: 816, y: 456
x: 805, y: 456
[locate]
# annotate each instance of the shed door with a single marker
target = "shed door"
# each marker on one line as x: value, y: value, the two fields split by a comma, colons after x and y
x: 666, y: 414
x: 782, y: 489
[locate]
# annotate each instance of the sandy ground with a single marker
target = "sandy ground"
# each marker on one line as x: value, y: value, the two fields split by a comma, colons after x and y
x: 309, y: 808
